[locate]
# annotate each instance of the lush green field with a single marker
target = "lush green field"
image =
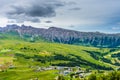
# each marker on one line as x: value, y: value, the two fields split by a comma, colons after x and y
x: 25, y: 56
x: 54, y: 54
x: 25, y: 74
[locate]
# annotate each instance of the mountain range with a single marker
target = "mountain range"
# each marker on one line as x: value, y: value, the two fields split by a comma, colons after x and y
x: 65, y: 36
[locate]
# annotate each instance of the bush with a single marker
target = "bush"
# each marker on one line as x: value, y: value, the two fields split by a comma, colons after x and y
x: 92, y: 77
x: 110, y: 76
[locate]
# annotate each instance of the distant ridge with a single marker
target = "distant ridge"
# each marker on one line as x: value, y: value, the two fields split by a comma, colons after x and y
x: 65, y: 36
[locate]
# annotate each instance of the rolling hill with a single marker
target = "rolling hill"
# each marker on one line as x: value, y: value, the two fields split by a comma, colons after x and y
x: 48, y: 53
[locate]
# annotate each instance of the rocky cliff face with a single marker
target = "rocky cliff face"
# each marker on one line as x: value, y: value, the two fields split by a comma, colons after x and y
x: 66, y: 36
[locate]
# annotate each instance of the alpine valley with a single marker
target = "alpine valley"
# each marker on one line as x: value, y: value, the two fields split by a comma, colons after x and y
x: 29, y: 53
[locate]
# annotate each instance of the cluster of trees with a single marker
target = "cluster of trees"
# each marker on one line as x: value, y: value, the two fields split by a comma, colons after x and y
x: 110, y: 76
x: 98, y: 56
x: 115, y: 55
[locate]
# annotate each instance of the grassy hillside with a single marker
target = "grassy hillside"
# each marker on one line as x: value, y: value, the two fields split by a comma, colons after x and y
x: 54, y: 54
x: 24, y: 54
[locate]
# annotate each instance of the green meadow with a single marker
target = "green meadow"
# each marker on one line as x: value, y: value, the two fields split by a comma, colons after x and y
x: 20, y: 58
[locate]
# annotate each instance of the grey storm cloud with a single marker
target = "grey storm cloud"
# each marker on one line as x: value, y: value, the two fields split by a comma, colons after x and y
x: 33, y: 10
x: 48, y: 21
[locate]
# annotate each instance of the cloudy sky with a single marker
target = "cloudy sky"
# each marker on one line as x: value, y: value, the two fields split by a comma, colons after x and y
x: 81, y: 15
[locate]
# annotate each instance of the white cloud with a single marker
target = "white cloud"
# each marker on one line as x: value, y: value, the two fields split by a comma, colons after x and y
x: 3, y: 22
